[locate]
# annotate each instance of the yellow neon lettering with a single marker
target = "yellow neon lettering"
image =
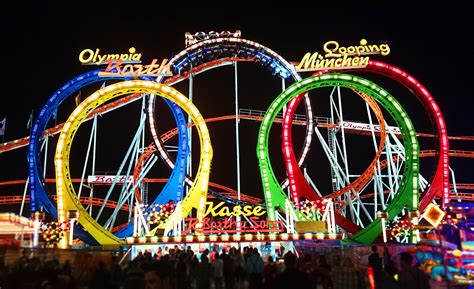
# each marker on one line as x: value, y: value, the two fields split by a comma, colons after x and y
x: 308, y: 60
x: 95, y: 54
x: 351, y: 50
x: 364, y: 61
x: 320, y: 63
x: 346, y: 61
x: 355, y: 60
x: 342, y: 51
x: 329, y: 62
x: 136, y: 57
x: 238, y: 211
x: 374, y: 47
x: 89, y: 56
x: 211, y: 209
x: 247, y: 210
x: 384, y: 49
x: 89, y: 53
x: 225, y: 212
x: 360, y: 50
x: 220, y: 211
x: 101, y: 58
x: 329, y: 51
x: 113, y: 56
x: 257, y: 211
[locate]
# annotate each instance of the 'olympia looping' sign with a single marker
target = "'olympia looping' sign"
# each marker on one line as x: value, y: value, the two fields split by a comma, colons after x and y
x: 89, y: 56
x: 124, y: 64
x: 341, y: 57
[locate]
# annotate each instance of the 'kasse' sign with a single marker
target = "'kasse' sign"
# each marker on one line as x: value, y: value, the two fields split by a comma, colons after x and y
x: 223, y: 219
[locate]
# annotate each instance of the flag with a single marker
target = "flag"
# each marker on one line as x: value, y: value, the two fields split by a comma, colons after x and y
x: 30, y: 120
x: 3, y: 124
x: 78, y: 98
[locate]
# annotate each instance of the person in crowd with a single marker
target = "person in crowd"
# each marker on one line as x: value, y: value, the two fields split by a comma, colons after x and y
x: 346, y: 276
x: 133, y: 275
x: 193, y: 271
x: 411, y: 277
x: 254, y: 268
x: 389, y: 264
x: 158, y: 276
x: 228, y: 267
x: 204, y: 277
x: 374, y: 260
x: 218, y: 266
x: 115, y: 273
x: 291, y: 277
x: 238, y: 262
x: 270, y: 272
x: 182, y: 280
x: 324, y: 272
x: 100, y: 278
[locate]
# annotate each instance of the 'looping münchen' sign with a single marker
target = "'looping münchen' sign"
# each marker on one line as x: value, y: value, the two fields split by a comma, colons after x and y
x: 341, y: 57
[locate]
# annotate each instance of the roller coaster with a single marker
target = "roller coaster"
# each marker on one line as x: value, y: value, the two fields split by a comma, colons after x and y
x: 391, y: 183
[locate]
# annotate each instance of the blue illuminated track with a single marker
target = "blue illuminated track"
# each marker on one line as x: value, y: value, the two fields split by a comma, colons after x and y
x: 38, y: 195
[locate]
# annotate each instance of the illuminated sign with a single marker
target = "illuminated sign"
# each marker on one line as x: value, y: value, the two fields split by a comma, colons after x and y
x: 368, y: 127
x: 341, y: 57
x: 89, y: 56
x: 230, y: 225
x: 220, y: 219
x: 434, y: 215
x: 98, y: 179
x: 115, y: 69
x: 220, y: 211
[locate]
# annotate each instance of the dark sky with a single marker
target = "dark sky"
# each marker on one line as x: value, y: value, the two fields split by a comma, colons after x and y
x: 41, y: 43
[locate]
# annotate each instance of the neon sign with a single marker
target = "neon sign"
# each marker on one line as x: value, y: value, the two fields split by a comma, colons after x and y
x: 101, y: 179
x: 341, y: 57
x: 89, y: 56
x: 220, y: 211
x: 254, y: 224
x: 228, y: 224
x: 114, y: 69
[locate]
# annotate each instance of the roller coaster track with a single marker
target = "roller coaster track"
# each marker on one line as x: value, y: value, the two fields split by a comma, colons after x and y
x: 231, y: 193
x: 226, y: 191
x: 298, y: 120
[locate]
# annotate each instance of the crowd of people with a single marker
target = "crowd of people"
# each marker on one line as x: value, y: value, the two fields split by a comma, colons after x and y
x: 180, y: 268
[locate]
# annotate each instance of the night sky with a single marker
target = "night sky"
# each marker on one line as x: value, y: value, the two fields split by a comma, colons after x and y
x: 42, y: 41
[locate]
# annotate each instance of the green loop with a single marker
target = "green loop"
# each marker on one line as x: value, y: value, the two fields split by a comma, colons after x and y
x: 407, y: 193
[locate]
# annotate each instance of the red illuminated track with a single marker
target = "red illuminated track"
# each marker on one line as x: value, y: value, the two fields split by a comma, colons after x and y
x: 440, y: 183
x: 432, y: 153
x: 15, y: 144
x: 164, y: 137
x: 224, y: 191
x: 465, y: 186
x: 173, y: 132
x: 19, y: 143
x: 454, y: 196
x: 84, y: 200
x: 231, y: 193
